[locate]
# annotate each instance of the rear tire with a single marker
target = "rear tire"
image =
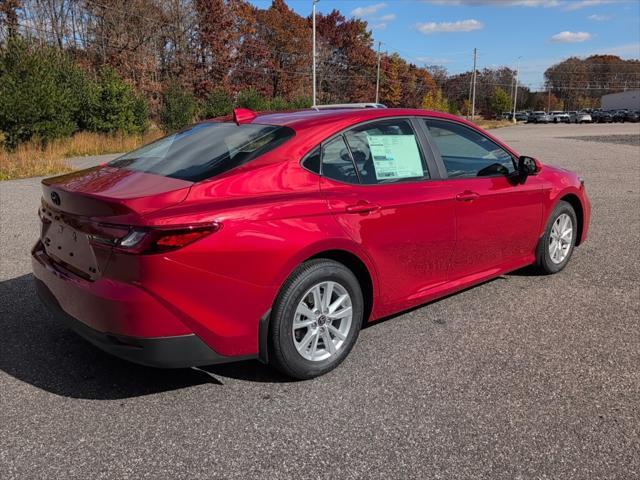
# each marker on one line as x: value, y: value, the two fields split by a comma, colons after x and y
x: 557, y: 244
x: 307, y: 338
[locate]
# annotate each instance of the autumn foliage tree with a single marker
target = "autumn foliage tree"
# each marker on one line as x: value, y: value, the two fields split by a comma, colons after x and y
x: 578, y: 82
x: 500, y: 101
x: 224, y: 53
x: 220, y: 45
x: 346, y: 59
x: 435, y: 100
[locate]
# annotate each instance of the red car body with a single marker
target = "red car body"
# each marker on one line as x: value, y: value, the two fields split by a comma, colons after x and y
x: 408, y: 243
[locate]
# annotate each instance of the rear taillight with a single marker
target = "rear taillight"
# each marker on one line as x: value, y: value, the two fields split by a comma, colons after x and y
x: 145, y: 240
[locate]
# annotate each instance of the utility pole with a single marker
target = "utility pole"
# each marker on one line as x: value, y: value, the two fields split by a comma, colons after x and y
x: 511, y: 93
x: 314, y: 51
x: 473, y: 87
x: 548, y: 99
x: 515, y: 92
x: 378, y: 75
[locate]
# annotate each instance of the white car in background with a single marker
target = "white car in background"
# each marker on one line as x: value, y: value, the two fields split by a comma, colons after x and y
x: 580, y: 117
x: 557, y: 117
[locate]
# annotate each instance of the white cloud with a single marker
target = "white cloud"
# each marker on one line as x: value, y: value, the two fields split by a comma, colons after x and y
x: 368, y: 10
x: 600, y: 18
x: 571, y: 37
x: 500, y: 3
x: 375, y: 22
x: 568, y: 5
x: 578, y: 4
x: 459, y: 26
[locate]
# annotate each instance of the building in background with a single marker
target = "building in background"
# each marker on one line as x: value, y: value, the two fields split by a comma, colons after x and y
x: 617, y: 101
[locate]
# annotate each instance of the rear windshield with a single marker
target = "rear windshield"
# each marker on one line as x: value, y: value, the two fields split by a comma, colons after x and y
x: 204, y: 150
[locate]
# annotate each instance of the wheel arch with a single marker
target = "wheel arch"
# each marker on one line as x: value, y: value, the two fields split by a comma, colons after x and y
x: 361, y: 268
x: 575, y: 202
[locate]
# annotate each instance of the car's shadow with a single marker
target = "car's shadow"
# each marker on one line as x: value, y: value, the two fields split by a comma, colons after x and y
x: 36, y: 349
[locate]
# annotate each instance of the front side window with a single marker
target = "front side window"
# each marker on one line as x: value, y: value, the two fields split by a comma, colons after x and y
x: 386, y: 152
x: 205, y: 150
x: 468, y: 154
x: 336, y: 161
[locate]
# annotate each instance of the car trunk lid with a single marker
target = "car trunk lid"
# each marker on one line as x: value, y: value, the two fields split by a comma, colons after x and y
x: 107, y: 191
x: 99, y: 203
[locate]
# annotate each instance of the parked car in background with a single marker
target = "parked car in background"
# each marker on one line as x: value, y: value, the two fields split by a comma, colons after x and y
x: 580, y: 117
x: 619, y: 115
x: 558, y: 116
x: 539, y: 117
x: 505, y: 116
x: 632, y: 116
x: 278, y: 236
x: 521, y: 116
x: 601, y: 116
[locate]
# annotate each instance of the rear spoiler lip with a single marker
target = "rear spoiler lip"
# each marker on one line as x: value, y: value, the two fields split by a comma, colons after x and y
x: 84, y: 197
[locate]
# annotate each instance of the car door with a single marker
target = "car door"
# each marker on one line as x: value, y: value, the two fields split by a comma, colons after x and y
x: 498, y: 218
x: 380, y: 187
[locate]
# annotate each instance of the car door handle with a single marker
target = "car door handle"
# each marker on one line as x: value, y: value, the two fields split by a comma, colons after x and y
x: 467, y: 196
x: 362, y: 207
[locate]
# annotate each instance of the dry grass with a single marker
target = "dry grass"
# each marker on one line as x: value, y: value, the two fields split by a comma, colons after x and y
x: 487, y: 124
x: 31, y: 160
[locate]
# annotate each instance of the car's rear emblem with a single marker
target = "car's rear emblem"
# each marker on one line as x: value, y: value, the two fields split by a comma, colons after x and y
x: 55, y: 198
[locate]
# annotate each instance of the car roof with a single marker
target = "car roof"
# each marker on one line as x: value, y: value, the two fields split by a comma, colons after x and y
x: 316, y: 126
x: 301, y: 119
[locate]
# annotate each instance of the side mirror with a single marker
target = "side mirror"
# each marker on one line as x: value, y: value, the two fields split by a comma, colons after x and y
x: 527, y: 166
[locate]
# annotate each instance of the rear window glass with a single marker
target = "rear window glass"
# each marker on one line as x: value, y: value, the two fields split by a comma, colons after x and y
x: 204, y: 150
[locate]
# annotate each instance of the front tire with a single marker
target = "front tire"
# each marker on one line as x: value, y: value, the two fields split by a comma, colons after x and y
x: 316, y: 319
x: 556, y: 245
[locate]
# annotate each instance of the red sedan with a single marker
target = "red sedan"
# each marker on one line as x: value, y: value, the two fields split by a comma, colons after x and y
x: 277, y: 236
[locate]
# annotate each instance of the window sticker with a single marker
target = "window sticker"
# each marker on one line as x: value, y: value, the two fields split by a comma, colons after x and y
x: 395, y: 156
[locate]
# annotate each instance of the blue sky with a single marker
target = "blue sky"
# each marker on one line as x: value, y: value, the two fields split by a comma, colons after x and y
x: 542, y: 32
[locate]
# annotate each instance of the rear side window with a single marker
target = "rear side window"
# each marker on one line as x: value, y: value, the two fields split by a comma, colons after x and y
x: 386, y: 152
x: 312, y: 161
x: 466, y: 153
x: 205, y: 150
x: 336, y: 161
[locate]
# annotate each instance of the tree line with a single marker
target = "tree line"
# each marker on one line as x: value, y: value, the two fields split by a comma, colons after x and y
x: 229, y: 45
x: 579, y: 83
x: 112, y: 65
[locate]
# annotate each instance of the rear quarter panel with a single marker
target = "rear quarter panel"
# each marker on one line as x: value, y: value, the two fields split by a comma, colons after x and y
x: 273, y: 218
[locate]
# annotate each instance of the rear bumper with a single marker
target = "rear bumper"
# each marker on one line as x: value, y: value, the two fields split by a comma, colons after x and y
x: 163, y: 352
x: 130, y: 322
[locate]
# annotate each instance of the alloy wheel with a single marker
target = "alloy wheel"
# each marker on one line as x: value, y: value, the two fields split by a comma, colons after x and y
x: 322, y: 321
x: 560, y: 238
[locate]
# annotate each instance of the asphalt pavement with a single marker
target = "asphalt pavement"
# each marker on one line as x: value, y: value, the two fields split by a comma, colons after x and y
x: 523, y: 377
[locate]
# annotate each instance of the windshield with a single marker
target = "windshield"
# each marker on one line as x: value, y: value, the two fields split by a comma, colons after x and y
x: 204, y: 150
